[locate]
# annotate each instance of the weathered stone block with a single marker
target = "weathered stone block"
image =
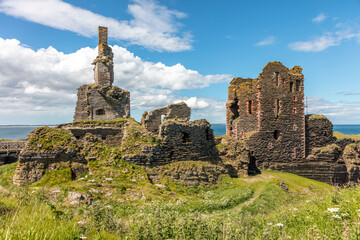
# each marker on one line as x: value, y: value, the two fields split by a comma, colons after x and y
x: 96, y: 102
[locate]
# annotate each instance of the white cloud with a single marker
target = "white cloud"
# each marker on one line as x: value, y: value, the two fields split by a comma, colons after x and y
x: 343, y: 33
x: 348, y: 113
x: 194, y: 103
x: 318, y: 44
x: 46, y: 80
x: 153, y: 26
x: 267, y: 41
x: 319, y: 18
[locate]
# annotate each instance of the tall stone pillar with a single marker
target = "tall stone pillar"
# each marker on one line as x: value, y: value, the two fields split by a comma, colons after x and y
x: 104, y: 67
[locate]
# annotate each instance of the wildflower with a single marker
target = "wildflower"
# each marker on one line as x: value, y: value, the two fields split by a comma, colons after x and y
x: 295, y: 209
x: 358, y: 210
x: 279, y: 224
x: 332, y: 210
x: 308, y: 201
x: 344, y: 214
x: 336, y: 216
x: 269, y: 224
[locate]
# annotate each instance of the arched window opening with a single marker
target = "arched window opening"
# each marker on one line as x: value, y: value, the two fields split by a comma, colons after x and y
x: 277, y: 78
x: 277, y: 108
x: 298, y: 85
x: 249, y: 107
x: 234, y: 108
x: 100, y: 112
x: 291, y: 87
x: 276, y: 134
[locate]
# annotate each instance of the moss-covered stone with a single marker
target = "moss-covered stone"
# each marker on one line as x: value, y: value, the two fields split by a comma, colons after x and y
x: 46, y: 139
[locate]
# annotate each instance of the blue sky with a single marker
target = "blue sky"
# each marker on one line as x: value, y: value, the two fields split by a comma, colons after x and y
x: 175, y: 50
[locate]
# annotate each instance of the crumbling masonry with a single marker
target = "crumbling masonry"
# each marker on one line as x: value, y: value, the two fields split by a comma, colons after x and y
x: 101, y: 100
x: 165, y: 136
x: 265, y: 124
x: 269, y: 111
x: 268, y: 114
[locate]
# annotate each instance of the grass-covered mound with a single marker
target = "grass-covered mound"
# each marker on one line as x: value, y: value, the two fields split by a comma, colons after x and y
x: 341, y: 136
x: 127, y: 206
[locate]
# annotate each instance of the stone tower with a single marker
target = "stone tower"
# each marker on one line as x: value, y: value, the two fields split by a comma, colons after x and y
x: 104, y: 67
x: 101, y: 100
x: 268, y: 112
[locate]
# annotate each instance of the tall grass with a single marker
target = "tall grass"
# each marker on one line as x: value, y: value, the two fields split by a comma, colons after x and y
x: 244, y: 208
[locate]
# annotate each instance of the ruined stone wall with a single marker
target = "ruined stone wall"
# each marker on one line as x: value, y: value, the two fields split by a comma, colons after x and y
x: 351, y: 157
x: 152, y: 121
x: 319, y: 132
x: 270, y: 114
x: 96, y: 102
x: 179, y: 141
x: 109, y: 134
x: 242, y: 107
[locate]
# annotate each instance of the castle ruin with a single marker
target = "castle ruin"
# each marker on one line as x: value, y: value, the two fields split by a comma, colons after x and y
x: 267, y: 113
x: 269, y: 110
x: 265, y: 124
x: 101, y: 100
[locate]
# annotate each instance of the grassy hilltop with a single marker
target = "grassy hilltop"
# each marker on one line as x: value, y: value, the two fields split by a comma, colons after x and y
x: 119, y: 202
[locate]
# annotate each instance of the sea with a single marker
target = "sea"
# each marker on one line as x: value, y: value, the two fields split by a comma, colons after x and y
x: 21, y: 132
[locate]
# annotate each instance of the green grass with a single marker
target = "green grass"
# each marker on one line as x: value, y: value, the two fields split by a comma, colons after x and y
x: 237, y: 208
x: 340, y: 136
x: 317, y: 116
x: 48, y: 139
x: 6, y: 173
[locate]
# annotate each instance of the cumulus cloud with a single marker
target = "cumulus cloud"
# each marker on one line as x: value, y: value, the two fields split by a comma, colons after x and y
x: 342, y: 33
x: 267, y: 41
x: 194, y: 103
x: 348, y: 113
x: 46, y: 80
x: 153, y: 26
x: 319, y: 18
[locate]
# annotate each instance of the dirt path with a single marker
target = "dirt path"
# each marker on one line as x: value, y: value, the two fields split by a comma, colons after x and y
x: 256, y: 194
x: 251, y: 200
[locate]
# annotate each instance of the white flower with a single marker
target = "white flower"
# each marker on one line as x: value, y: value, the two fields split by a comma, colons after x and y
x: 269, y: 224
x: 332, y: 210
x: 308, y: 201
x: 295, y: 209
x: 358, y: 210
x: 336, y: 216
x: 344, y: 214
x: 279, y: 224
